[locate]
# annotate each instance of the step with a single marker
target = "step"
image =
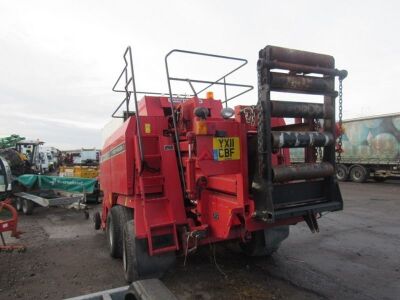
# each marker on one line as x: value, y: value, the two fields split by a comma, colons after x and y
x: 174, y: 242
x: 152, y: 180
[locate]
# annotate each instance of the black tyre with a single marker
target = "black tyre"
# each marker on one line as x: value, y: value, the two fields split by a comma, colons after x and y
x: 358, y: 174
x: 265, y: 242
x: 116, y: 219
x: 97, y: 221
x: 137, y: 262
x: 342, y: 173
x: 18, y: 204
x: 27, y: 206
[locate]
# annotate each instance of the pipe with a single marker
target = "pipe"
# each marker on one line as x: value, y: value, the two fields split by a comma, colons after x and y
x: 293, y: 139
x: 299, y: 57
x: 304, y: 84
x: 302, y: 171
x: 291, y: 109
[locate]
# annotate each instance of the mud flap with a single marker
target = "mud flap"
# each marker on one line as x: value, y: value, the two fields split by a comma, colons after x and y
x: 265, y: 242
x: 274, y: 236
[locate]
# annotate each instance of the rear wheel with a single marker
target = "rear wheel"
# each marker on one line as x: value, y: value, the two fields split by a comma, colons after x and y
x: 116, y: 219
x: 137, y: 262
x: 97, y: 220
x: 265, y: 242
x: 342, y: 173
x: 27, y: 207
x: 358, y: 174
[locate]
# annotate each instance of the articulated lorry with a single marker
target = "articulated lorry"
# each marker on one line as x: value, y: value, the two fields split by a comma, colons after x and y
x: 371, y: 148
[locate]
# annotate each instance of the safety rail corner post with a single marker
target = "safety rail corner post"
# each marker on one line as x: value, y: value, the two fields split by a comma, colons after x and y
x: 130, y: 80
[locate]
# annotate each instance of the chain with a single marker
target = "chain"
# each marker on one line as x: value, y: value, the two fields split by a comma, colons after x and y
x: 260, y: 138
x: 249, y: 114
x: 339, y: 149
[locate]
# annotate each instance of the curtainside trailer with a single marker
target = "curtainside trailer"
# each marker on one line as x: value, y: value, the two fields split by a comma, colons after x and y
x: 371, y: 148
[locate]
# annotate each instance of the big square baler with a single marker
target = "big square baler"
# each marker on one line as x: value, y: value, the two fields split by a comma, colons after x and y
x: 182, y: 172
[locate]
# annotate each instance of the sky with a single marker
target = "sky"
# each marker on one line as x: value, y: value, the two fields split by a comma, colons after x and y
x: 60, y: 59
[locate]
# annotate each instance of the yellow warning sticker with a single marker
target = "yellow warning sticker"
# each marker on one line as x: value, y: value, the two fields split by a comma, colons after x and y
x: 226, y: 148
x: 147, y: 128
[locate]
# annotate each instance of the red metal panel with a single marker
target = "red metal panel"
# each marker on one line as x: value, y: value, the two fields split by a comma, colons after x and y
x: 221, y: 213
x: 226, y: 183
x: 121, y: 160
x: 224, y: 205
x: 173, y: 190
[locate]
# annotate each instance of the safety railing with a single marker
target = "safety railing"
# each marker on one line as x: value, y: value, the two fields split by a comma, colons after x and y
x: 220, y: 81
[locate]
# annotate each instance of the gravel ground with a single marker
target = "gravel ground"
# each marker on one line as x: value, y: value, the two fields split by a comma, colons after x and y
x: 355, y: 256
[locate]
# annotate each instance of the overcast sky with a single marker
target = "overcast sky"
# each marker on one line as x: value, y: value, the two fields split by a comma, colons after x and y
x: 59, y: 59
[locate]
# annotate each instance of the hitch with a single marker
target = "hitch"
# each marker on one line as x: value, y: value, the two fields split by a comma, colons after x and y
x: 311, y: 221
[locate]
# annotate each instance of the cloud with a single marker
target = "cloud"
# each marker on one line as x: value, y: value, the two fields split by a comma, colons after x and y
x: 59, y: 59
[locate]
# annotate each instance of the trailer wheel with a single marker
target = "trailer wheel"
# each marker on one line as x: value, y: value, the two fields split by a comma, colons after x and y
x: 18, y: 204
x: 265, y: 242
x: 358, y: 174
x: 342, y: 173
x: 27, y: 207
x: 116, y: 219
x: 97, y: 220
x: 137, y: 262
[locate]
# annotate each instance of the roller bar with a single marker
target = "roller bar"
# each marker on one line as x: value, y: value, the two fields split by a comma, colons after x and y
x: 302, y: 171
x: 291, y: 109
x: 298, y: 57
x: 293, y: 139
x: 306, y: 69
x: 283, y: 82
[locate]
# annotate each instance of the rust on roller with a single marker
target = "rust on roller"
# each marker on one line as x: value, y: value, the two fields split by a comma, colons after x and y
x: 304, y: 84
x: 299, y: 57
x: 291, y: 109
x: 302, y: 171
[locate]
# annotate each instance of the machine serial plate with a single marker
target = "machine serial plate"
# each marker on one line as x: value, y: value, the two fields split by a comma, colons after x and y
x: 226, y: 148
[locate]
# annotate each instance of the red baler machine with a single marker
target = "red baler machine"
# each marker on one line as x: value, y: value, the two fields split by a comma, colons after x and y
x: 187, y: 171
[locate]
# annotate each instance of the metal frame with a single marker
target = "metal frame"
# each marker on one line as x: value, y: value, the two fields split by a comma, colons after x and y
x: 210, y: 83
x: 128, y: 81
x: 274, y: 197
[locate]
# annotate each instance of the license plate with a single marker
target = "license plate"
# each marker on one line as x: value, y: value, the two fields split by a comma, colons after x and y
x: 226, y: 148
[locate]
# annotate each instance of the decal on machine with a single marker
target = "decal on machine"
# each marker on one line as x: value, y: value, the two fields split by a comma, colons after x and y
x: 147, y: 128
x: 226, y: 148
x: 168, y: 147
x: 113, y: 152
